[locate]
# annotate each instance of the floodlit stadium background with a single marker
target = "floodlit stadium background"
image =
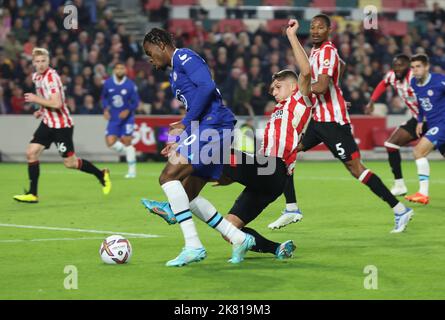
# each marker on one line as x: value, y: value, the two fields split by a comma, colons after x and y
x: 242, y: 42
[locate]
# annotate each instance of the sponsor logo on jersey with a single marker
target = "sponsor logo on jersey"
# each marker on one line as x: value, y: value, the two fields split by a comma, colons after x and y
x: 183, y: 57
x: 426, y: 104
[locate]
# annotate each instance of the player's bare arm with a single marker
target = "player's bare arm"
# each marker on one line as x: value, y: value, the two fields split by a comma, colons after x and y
x: 304, y: 79
x: 54, y: 102
x: 322, y: 85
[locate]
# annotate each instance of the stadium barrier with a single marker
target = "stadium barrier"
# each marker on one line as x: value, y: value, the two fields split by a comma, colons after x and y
x: 151, y: 133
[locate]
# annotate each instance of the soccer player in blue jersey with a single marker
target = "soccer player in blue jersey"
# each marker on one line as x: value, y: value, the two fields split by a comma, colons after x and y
x: 430, y: 92
x: 120, y: 99
x: 203, y: 136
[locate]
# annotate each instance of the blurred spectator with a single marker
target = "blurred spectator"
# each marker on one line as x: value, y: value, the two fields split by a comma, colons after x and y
x: 89, y: 106
x: 84, y: 58
x: 17, y: 101
x: 242, y: 96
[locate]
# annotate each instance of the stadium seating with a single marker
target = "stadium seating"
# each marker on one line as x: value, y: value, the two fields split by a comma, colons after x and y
x: 393, y: 28
x: 153, y: 5
x: 182, y: 2
x: 231, y: 25
x: 324, y: 4
x: 393, y: 4
x: 302, y: 3
x: 276, y: 3
x: 376, y: 3
x: 253, y: 2
x: 186, y: 25
x: 277, y: 25
x: 347, y: 3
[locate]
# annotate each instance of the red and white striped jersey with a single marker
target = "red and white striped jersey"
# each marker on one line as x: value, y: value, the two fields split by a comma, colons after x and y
x: 404, y: 90
x: 48, y: 84
x: 285, y: 127
x: 331, y: 106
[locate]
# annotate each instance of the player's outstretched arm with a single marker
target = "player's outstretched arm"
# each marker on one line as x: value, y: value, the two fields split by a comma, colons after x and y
x: 304, y: 79
x: 54, y: 102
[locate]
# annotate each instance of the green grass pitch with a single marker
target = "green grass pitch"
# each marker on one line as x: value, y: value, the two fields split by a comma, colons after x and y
x: 345, y: 228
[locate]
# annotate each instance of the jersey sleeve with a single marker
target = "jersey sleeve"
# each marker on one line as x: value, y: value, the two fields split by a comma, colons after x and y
x: 387, y: 78
x: 379, y: 90
x: 197, y: 71
x: 328, y: 61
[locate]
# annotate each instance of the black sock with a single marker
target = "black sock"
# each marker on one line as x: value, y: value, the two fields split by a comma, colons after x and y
x: 289, y: 190
x: 33, y: 174
x: 88, y: 167
x: 395, y: 161
x: 261, y: 244
x: 376, y: 185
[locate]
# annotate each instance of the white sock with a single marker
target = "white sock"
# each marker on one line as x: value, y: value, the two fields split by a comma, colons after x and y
x: 130, y: 152
x: 179, y: 203
x: 291, y: 207
x: 399, y: 208
x: 205, y: 211
x: 118, y: 146
x: 423, y: 170
x: 399, y: 182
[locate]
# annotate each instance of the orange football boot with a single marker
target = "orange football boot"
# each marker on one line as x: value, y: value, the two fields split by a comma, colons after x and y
x: 418, y: 198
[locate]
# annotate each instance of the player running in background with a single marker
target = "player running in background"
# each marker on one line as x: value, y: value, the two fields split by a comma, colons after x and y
x: 119, y: 100
x: 264, y: 175
x: 399, y: 78
x: 56, y: 127
x: 331, y: 123
x: 430, y: 91
x: 190, y: 164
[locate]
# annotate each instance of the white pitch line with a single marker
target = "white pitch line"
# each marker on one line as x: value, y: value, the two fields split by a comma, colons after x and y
x: 52, y: 239
x: 141, y: 235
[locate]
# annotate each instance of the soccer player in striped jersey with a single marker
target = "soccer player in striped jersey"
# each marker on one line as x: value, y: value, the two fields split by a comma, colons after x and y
x: 265, y: 175
x: 331, y: 124
x: 399, y: 78
x: 56, y: 127
x: 430, y: 92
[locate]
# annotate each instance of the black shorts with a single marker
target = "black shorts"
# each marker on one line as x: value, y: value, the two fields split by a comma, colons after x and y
x: 411, y: 125
x: 264, y: 179
x: 337, y: 138
x: 63, y: 138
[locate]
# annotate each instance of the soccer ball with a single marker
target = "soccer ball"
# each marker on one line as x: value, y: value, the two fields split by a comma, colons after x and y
x: 115, y: 250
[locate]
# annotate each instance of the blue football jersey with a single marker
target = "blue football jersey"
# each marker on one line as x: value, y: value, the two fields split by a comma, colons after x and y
x: 431, y: 98
x: 192, y: 84
x: 116, y: 97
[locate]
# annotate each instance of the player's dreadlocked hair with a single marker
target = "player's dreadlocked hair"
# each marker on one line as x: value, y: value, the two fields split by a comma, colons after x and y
x: 158, y: 36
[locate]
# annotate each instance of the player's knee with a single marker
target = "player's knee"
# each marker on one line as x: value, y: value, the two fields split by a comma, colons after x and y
x: 31, y: 155
x: 418, y: 153
x: 70, y: 163
x: 166, y: 176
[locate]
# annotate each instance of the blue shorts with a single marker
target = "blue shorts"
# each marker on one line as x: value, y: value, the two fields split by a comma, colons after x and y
x: 436, y: 134
x: 207, y: 148
x: 120, y: 128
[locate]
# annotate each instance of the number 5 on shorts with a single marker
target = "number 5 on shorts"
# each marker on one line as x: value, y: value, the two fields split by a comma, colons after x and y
x: 340, y: 150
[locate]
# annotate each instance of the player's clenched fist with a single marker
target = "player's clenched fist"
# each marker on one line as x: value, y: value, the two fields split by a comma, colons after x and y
x: 30, y: 97
x: 292, y: 27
